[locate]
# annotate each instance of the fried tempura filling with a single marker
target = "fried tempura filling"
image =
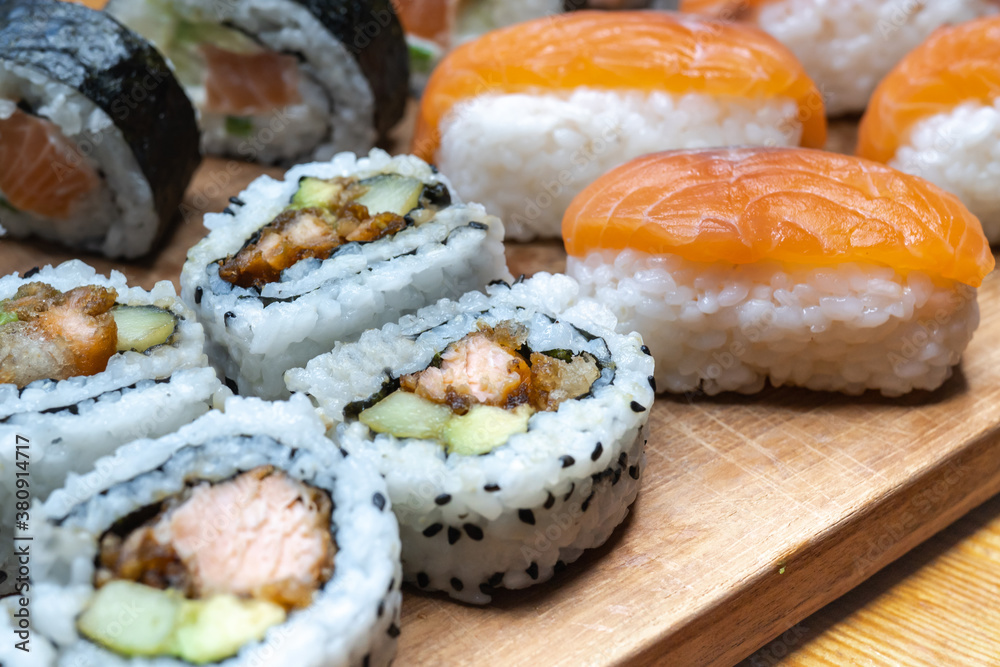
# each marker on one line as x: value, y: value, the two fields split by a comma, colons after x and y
x: 56, y: 335
x: 492, y: 367
x: 303, y: 233
x: 261, y: 535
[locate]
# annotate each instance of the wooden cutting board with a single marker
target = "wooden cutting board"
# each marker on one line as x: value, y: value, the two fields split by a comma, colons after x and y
x: 754, y: 512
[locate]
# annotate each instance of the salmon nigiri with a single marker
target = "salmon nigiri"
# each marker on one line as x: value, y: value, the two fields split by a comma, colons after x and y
x: 847, y: 46
x: 937, y: 115
x: 803, y: 267
x: 523, y: 118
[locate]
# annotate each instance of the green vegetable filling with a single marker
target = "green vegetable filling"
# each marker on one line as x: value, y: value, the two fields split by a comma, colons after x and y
x: 7, y: 318
x: 141, y: 328
x: 239, y: 126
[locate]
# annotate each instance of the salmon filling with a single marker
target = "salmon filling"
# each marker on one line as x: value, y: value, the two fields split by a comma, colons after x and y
x: 48, y: 334
x: 248, y: 84
x: 261, y: 535
x: 480, y: 391
x: 41, y: 171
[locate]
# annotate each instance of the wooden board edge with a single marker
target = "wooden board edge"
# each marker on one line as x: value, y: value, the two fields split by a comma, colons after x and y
x: 775, y: 601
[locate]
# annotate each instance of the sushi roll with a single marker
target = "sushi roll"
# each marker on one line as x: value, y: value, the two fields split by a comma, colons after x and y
x: 800, y: 267
x: 847, y: 46
x: 334, y: 249
x: 510, y: 429
x: 282, y: 80
x: 244, y: 538
x: 97, y: 139
x: 645, y: 81
x: 88, y: 363
x: 937, y: 115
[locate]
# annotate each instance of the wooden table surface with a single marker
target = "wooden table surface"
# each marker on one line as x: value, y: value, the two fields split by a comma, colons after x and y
x: 754, y: 513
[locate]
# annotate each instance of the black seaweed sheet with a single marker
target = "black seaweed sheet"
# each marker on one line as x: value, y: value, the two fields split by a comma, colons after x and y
x: 371, y: 31
x: 123, y: 75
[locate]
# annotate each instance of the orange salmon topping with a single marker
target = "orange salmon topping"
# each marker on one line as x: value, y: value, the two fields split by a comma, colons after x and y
x: 41, y: 171
x: 788, y: 205
x: 247, y: 84
x: 955, y: 65
x: 627, y: 50
x: 728, y: 10
x: 429, y: 19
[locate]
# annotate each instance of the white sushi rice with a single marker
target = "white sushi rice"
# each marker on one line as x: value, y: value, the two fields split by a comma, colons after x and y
x: 960, y: 151
x: 725, y: 327
x: 119, y: 219
x: 848, y: 46
x: 71, y: 423
x: 512, y: 517
x: 318, y: 303
x: 337, y: 109
x: 353, y: 619
x: 526, y: 156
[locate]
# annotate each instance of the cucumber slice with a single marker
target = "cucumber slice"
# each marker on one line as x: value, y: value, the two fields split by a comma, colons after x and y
x: 131, y: 619
x: 7, y: 318
x: 239, y: 126
x: 407, y: 415
x: 484, y: 428
x: 215, y: 629
x: 143, y: 327
x: 316, y: 193
x: 391, y: 193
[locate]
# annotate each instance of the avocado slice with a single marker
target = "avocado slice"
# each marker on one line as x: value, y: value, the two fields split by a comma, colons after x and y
x: 484, y: 428
x: 391, y: 193
x: 214, y: 629
x: 6, y: 317
x: 407, y: 415
x: 316, y: 193
x: 143, y: 327
x: 148, y: 624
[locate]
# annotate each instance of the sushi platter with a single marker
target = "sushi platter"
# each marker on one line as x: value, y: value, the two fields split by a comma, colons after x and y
x: 754, y: 511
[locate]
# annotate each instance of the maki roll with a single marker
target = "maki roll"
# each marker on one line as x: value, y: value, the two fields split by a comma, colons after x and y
x: 334, y: 249
x: 282, y: 80
x: 510, y: 429
x: 800, y: 267
x: 847, y: 46
x: 645, y: 81
x: 97, y: 139
x: 87, y: 364
x: 244, y: 538
x: 937, y: 115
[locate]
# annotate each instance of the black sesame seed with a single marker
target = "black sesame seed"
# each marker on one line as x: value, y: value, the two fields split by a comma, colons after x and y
x: 237, y: 201
x: 622, y: 459
x: 638, y: 407
x: 198, y: 293
x: 379, y: 501
x: 520, y: 279
x: 633, y: 472
x: 3, y: 576
x: 533, y: 571
x: 596, y: 454
x: 567, y: 460
x: 490, y: 488
x: 393, y: 631
x: 586, y: 503
x: 645, y: 350
x: 498, y: 282
x: 485, y: 589
x: 381, y: 608
x: 560, y: 566
x: 228, y: 316
x: 229, y: 211
x: 652, y: 383
x: 457, y: 584
x: 495, y: 580
x: 392, y: 584
x: 478, y: 225
x: 423, y: 580
x: 527, y: 516
x: 443, y: 499
x: 432, y: 530
x: 572, y: 488
x: 549, y: 502
x: 473, y: 531
x: 453, y: 534
x: 30, y: 273
x: 229, y: 382
x: 618, y: 476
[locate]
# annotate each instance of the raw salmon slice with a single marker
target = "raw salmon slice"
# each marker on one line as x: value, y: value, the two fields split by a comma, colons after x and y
x: 429, y: 19
x: 955, y: 65
x: 629, y: 50
x: 249, y: 84
x: 93, y: 4
x: 730, y: 10
x: 41, y: 171
x: 789, y: 205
